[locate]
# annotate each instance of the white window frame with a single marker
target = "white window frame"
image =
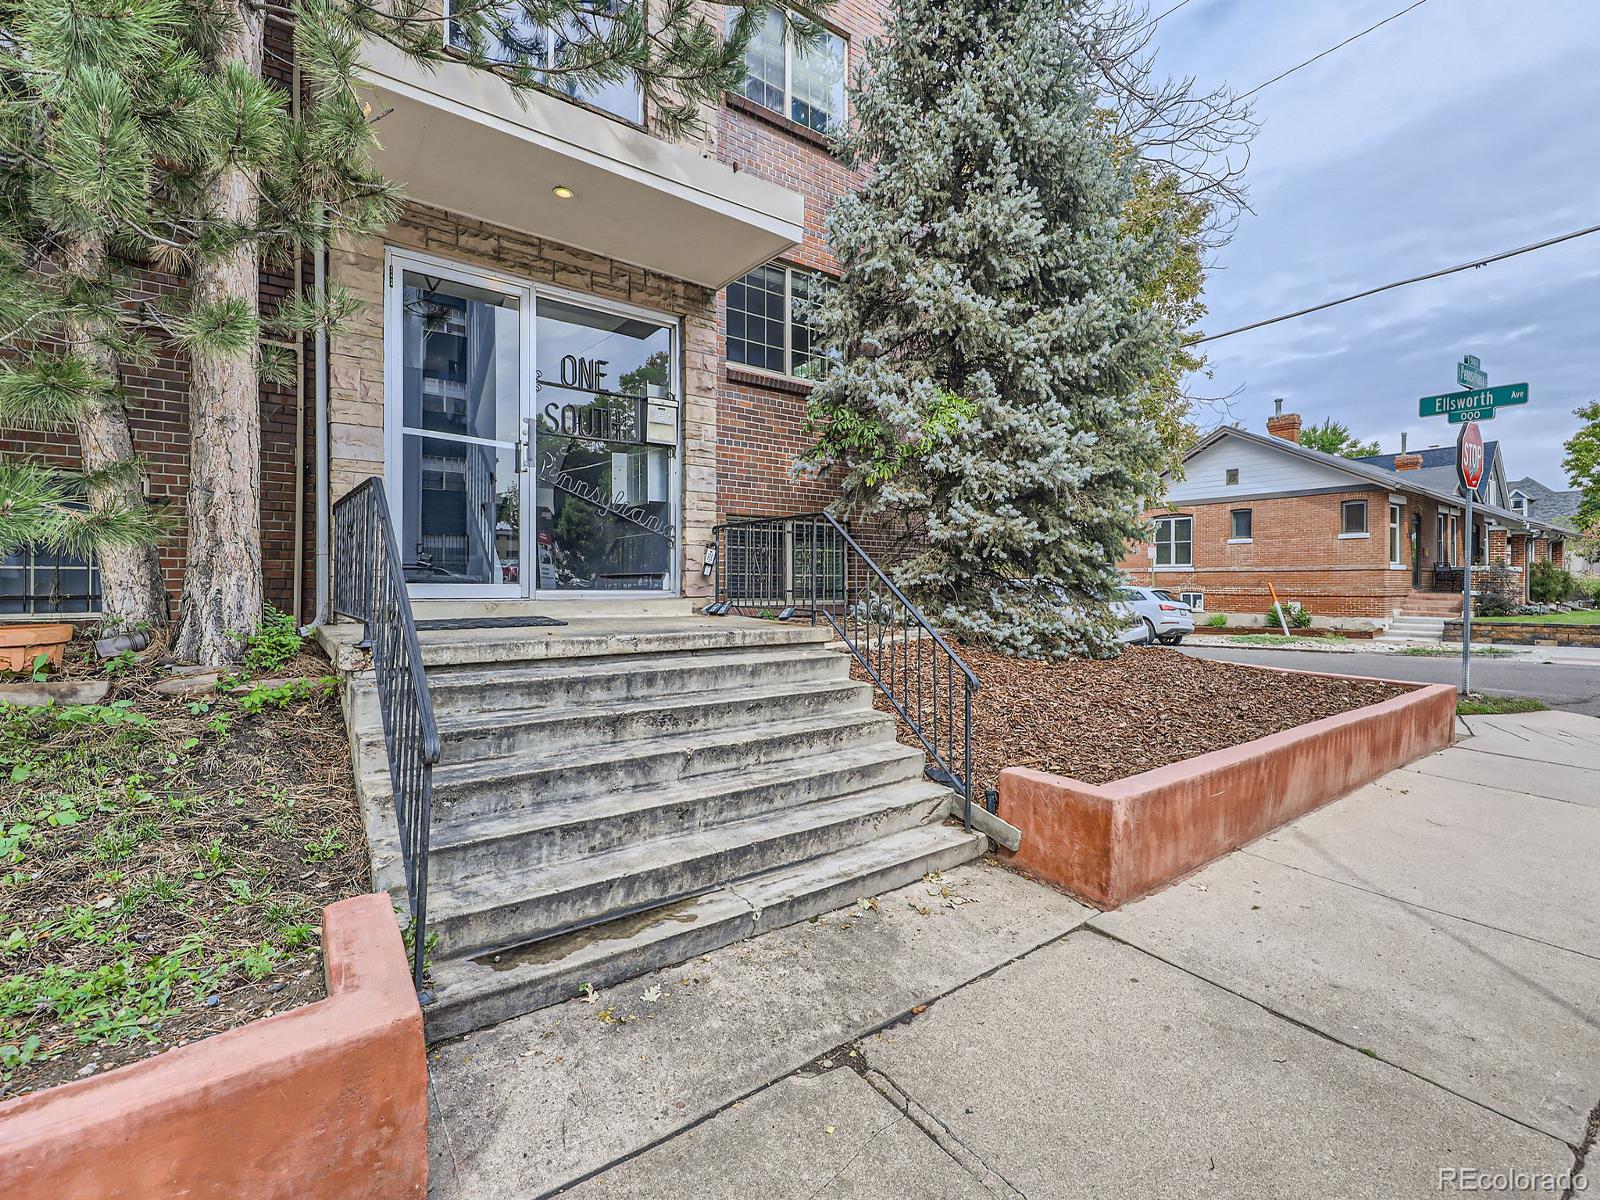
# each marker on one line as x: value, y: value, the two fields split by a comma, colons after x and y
x: 1172, y: 541
x: 787, y: 111
x: 1195, y: 600
x: 789, y: 272
x: 1397, y: 539
x: 1366, y: 520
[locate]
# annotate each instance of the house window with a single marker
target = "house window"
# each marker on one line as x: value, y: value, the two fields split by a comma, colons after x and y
x: 39, y: 582
x: 1396, y: 515
x: 1232, y: 476
x: 1353, y: 517
x: 766, y: 323
x: 1195, y: 600
x: 1174, y: 541
x: 803, y: 83
x: 1239, y: 526
x: 517, y: 41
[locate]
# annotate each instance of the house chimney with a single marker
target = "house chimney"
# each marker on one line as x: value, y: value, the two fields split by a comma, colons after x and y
x: 1407, y: 462
x: 1282, y: 424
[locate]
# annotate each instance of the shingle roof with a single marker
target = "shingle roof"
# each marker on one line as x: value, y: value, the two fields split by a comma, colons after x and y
x: 1439, y: 458
x: 1557, y: 508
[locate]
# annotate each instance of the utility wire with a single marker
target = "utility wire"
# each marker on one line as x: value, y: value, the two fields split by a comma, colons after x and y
x: 1399, y: 283
x: 1168, y: 13
x: 1328, y: 51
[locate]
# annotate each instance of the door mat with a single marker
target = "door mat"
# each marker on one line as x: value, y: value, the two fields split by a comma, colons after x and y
x: 486, y: 623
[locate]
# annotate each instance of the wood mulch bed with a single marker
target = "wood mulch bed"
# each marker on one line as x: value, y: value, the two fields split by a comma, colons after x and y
x: 1097, y: 721
x: 164, y: 861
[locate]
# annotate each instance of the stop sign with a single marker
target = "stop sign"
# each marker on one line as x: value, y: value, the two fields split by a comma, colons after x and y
x: 1469, y: 456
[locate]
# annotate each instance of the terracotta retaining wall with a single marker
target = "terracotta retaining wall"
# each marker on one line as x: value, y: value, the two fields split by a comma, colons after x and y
x: 1527, y: 633
x: 329, y: 1100
x: 1111, y: 843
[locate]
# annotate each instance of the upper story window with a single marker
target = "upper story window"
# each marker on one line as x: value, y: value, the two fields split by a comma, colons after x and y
x: 803, y: 83
x: 515, y: 39
x: 766, y: 322
x: 1232, y: 476
x: 1174, y: 541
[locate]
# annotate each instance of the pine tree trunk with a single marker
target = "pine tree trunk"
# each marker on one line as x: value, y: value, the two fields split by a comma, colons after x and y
x: 131, y: 588
x: 222, y: 579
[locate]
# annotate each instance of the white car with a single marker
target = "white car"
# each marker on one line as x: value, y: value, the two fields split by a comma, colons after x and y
x: 1153, y: 616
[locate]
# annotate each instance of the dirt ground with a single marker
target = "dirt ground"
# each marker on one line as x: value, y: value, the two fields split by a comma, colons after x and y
x: 1102, y: 720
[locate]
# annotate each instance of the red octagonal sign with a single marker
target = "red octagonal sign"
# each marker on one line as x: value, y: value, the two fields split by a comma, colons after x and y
x: 1469, y: 456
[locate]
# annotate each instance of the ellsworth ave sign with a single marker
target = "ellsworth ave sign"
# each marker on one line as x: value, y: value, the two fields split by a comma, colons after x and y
x: 1474, y: 405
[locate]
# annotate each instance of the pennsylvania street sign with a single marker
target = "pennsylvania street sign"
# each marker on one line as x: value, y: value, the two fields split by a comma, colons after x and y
x: 1476, y: 400
x: 1471, y: 414
x: 1470, y: 374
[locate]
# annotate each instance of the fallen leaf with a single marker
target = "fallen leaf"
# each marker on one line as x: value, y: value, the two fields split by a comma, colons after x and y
x: 588, y: 996
x: 651, y: 994
x: 828, y: 1129
x: 918, y: 1009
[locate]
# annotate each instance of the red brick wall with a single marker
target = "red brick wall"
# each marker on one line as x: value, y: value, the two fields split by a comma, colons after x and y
x: 1295, y: 546
x: 759, y: 419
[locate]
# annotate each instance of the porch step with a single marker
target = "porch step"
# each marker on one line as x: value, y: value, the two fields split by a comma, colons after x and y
x: 1414, y: 629
x: 726, y: 769
x: 470, y: 993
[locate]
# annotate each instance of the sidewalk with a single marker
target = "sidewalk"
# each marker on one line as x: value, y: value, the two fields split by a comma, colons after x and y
x: 1403, y: 983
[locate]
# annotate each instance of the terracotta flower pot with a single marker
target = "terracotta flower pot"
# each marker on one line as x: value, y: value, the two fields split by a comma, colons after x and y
x: 21, y: 644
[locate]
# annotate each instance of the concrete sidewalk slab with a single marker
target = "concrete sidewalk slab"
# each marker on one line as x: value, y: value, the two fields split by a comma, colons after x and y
x: 1510, y: 1023
x: 829, y: 1137
x: 1090, y: 1069
x: 1569, y: 739
x: 1550, y: 780
x: 1499, y: 857
x: 541, y: 1100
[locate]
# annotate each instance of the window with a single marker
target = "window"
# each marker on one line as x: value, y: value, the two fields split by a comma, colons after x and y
x: 1396, y: 515
x: 1239, y: 525
x: 1174, y: 541
x: 517, y: 41
x: 766, y: 324
x: 805, y: 84
x: 1353, y: 517
x: 39, y: 582
x: 1195, y: 600
x: 1232, y: 476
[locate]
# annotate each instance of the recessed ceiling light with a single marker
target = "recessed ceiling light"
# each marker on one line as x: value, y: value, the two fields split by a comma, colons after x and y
x: 563, y: 191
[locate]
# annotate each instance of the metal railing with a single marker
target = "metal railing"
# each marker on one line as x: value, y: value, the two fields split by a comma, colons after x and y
x: 796, y: 566
x: 369, y: 585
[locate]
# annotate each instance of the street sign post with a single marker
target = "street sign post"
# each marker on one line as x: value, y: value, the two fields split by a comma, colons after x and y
x: 1475, y: 399
x: 1469, y: 469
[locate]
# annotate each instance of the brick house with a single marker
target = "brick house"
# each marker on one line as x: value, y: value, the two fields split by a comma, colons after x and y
x: 579, y: 350
x: 1357, y: 541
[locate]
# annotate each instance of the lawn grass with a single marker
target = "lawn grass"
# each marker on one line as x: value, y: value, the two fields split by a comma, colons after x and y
x: 1584, y: 616
x: 1292, y: 641
x: 1489, y: 706
x: 164, y: 861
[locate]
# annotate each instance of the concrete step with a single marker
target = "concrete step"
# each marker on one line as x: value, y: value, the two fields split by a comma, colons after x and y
x: 588, y: 681
x: 494, y: 910
x: 498, y: 786
x: 468, y: 738
x: 605, y: 639
x: 470, y: 993
x: 552, y: 833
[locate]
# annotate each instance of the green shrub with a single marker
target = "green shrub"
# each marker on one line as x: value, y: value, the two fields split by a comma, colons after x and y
x: 1587, y: 589
x: 1548, y: 583
x: 1217, y: 620
x: 274, y: 644
x: 1293, y: 612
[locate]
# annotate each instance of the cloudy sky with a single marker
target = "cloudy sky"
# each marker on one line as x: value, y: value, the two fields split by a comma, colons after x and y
x: 1460, y: 129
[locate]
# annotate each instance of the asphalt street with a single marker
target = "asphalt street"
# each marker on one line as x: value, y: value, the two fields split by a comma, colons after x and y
x: 1574, y: 687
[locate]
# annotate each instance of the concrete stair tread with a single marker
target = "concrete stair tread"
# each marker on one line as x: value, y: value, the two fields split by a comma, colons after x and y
x: 754, y: 695
x: 655, y: 636
x: 470, y: 992
x: 447, y: 776
x: 463, y: 833
x: 478, y: 675
x: 541, y: 882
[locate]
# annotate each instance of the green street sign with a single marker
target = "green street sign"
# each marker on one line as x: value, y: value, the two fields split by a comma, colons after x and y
x: 1470, y: 374
x: 1471, y: 414
x: 1475, y: 400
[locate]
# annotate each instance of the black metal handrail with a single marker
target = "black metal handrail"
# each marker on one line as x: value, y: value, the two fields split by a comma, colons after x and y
x: 369, y: 585
x: 809, y: 564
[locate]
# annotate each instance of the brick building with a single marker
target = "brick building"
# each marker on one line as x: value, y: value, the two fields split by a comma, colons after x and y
x: 579, y: 350
x: 1357, y: 541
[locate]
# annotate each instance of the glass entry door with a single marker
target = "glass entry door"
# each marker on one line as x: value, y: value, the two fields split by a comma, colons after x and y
x: 457, y: 376
x: 606, y: 451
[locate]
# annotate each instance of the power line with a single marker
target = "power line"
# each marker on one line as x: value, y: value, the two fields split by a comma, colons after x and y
x: 1399, y: 283
x: 1168, y: 13
x: 1328, y: 51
